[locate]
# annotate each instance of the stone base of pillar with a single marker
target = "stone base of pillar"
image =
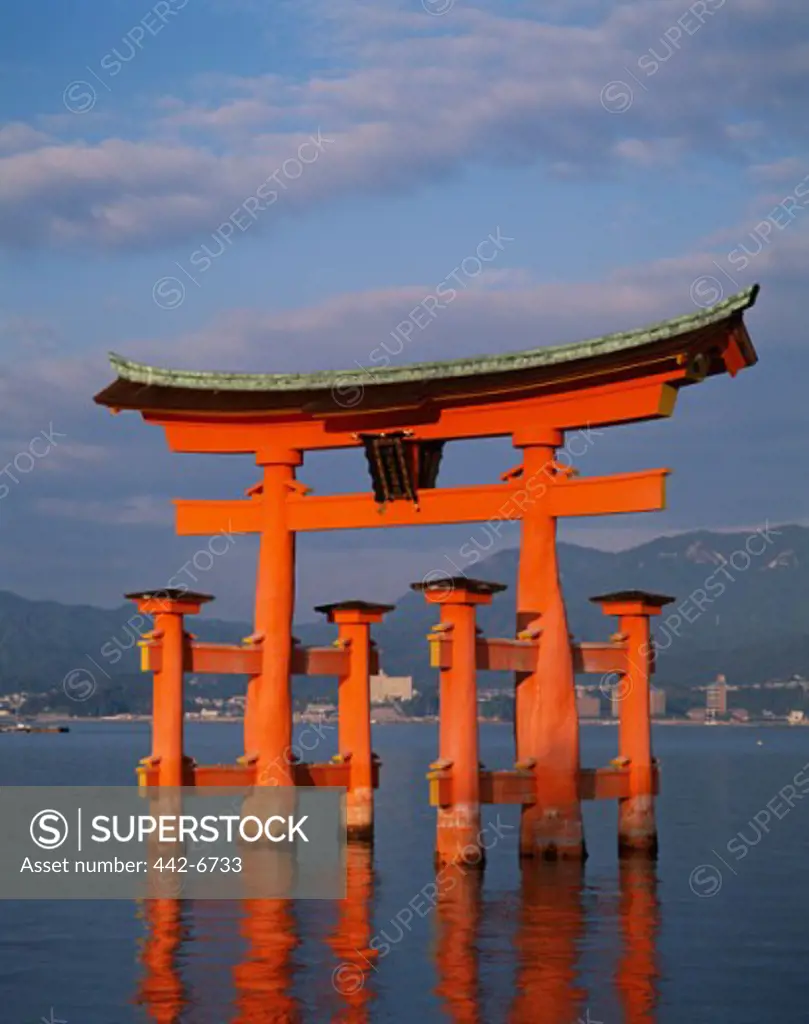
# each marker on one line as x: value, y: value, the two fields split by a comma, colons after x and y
x: 637, y: 829
x: 360, y: 815
x: 458, y: 837
x: 553, y: 833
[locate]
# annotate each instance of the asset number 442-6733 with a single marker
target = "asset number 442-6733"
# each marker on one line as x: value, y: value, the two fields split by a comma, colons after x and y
x: 182, y: 865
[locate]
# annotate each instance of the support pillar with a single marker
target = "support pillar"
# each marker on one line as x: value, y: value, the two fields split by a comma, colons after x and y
x: 546, y: 719
x: 354, y: 620
x: 458, y: 831
x: 268, y: 717
x: 168, y: 608
x: 637, y: 829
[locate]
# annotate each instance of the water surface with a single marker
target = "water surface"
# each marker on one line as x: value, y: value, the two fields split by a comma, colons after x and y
x: 703, y: 936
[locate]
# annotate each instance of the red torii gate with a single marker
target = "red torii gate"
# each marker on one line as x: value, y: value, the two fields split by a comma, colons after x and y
x: 405, y: 417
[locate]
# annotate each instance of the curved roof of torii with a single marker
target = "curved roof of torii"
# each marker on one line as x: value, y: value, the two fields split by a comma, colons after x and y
x: 148, y: 388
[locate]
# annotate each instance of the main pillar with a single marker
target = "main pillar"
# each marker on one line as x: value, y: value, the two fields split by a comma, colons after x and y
x: 458, y: 831
x: 546, y: 720
x: 268, y: 717
x: 637, y: 830
x: 168, y: 608
x: 354, y: 620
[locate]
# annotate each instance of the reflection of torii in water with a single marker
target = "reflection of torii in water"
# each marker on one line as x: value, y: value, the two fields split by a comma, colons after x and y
x: 551, y: 931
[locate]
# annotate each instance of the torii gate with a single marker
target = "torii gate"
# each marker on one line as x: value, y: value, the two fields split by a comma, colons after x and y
x: 402, y: 419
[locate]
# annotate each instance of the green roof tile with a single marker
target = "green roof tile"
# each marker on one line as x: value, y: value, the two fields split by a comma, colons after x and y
x: 211, y: 380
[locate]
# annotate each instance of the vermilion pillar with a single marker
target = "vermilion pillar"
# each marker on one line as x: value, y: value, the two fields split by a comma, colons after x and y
x: 354, y: 620
x: 637, y: 831
x: 268, y: 721
x: 546, y: 719
x: 168, y: 608
x: 458, y: 825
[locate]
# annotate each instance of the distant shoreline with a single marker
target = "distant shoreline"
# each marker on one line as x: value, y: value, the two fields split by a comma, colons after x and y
x: 48, y: 719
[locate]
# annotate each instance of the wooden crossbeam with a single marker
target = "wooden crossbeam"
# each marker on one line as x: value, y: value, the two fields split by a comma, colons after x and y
x: 490, y: 655
x: 609, y: 495
x: 207, y: 518
x: 578, y: 409
x: 610, y: 783
x: 498, y: 655
x: 519, y: 787
x: 578, y: 496
x: 435, y: 507
x: 599, y: 658
x: 232, y: 659
x: 244, y: 775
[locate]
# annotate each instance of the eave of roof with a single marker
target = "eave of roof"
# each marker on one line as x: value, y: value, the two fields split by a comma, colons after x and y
x: 727, y: 311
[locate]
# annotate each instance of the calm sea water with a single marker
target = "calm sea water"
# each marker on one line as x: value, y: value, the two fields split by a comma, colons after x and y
x: 706, y: 935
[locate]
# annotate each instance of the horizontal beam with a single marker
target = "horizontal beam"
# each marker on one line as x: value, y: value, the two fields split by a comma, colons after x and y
x: 238, y: 775
x: 232, y: 659
x: 490, y: 655
x: 610, y: 783
x: 485, y: 415
x: 436, y: 507
x: 502, y: 787
x: 499, y: 655
x: 308, y: 513
x: 496, y: 655
x: 609, y: 495
x: 506, y: 655
x: 598, y: 658
x: 584, y: 496
x: 209, y: 517
x: 519, y: 786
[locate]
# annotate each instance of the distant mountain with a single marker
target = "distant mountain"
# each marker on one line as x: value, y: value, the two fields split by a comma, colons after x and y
x: 742, y: 608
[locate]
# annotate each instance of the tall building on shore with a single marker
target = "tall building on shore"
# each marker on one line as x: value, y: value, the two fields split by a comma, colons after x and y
x: 385, y: 688
x: 716, y: 697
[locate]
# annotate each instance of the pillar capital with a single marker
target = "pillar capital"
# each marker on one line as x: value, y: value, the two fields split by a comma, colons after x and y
x: 169, y: 601
x: 632, y: 602
x: 277, y: 455
x: 351, y: 613
x: 537, y: 435
x: 457, y: 590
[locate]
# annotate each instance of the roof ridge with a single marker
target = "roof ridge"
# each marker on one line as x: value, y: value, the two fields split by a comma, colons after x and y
x: 143, y: 373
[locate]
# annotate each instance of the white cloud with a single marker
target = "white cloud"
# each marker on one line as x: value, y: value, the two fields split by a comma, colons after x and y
x: 15, y: 137
x: 138, y: 510
x: 420, y: 98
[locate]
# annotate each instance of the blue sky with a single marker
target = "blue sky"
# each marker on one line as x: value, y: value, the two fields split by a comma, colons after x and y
x: 629, y: 152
